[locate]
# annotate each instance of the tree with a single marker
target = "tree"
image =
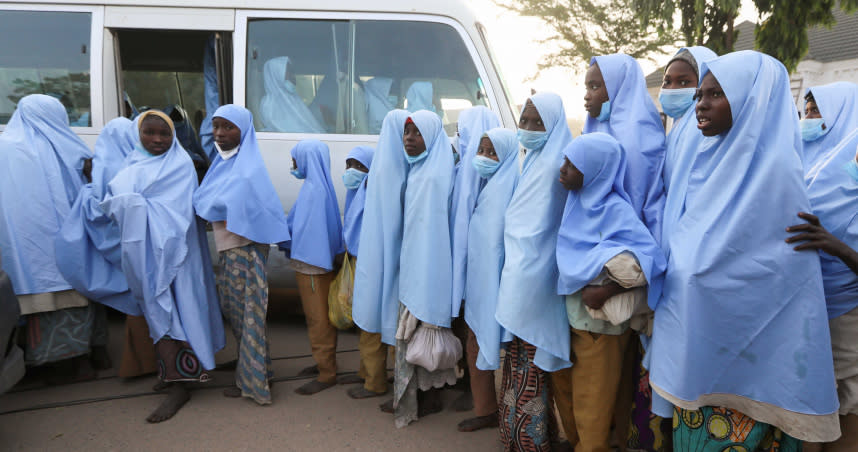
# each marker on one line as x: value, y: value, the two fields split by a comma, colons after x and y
x: 583, y: 29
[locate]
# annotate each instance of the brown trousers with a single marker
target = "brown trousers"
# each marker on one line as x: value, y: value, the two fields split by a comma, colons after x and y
x: 373, y: 362
x: 585, y: 394
x: 138, y: 354
x: 482, y: 381
x: 323, y: 336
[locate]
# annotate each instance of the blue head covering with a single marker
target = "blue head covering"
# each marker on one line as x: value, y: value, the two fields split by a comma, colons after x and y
x: 599, y: 221
x: 838, y: 105
x: 115, y: 142
x: 355, y: 200
x: 736, y: 295
x: 833, y: 190
x: 41, y: 163
x: 473, y: 123
x: 282, y: 109
x: 165, y: 256
x: 314, y: 221
x: 378, y: 102
x: 528, y: 304
x: 486, y: 250
x: 375, y: 302
x: 426, y: 276
x: 239, y: 190
x: 636, y: 124
x: 682, y: 144
x: 210, y: 90
x: 419, y: 97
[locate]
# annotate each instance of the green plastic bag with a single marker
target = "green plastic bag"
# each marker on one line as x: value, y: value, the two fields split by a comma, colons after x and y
x: 340, y: 296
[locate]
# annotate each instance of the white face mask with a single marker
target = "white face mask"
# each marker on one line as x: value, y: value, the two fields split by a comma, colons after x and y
x: 226, y: 155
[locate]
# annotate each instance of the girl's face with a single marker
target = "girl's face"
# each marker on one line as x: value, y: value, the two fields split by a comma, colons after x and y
x: 570, y: 176
x: 226, y: 134
x: 679, y: 74
x: 713, y: 110
x: 294, y: 164
x: 155, y: 135
x: 596, y: 92
x: 487, y: 149
x: 530, y: 119
x: 413, y: 140
x: 811, y: 110
x: 353, y: 163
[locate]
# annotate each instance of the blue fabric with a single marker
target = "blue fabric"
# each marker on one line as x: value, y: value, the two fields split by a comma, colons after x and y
x: 599, y: 221
x: 164, y: 252
x: 378, y: 101
x: 838, y: 105
x: 741, y: 312
x: 676, y: 101
x: 486, y: 250
x: 355, y: 199
x: 683, y: 143
x: 811, y: 129
x: 833, y: 191
x: 528, y: 304
x: 239, y: 190
x: 636, y: 124
x: 419, y: 97
x: 473, y: 123
x: 314, y: 220
x: 41, y: 163
x: 375, y: 301
x: 115, y: 142
x: 281, y: 109
x: 426, y: 262
x: 212, y: 98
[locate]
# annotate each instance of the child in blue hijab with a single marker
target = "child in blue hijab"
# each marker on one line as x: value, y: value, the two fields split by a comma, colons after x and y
x: 239, y: 200
x: 282, y: 109
x: 316, y: 238
x: 830, y: 114
x: 741, y: 332
x: 605, y: 256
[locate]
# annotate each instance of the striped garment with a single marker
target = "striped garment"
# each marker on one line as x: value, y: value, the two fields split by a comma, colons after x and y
x: 243, y: 291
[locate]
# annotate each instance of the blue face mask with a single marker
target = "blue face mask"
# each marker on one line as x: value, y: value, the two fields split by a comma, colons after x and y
x: 605, y: 112
x: 485, y: 166
x: 851, y: 167
x: 675, y: 102
x: 143, y: 150
x: 298, y: 173
x: 412, y: 160
x: 352, y: 178
x: 531, y: 140
x: 811, y: 129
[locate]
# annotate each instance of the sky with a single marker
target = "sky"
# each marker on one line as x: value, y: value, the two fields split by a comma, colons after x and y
x: 515, y: 41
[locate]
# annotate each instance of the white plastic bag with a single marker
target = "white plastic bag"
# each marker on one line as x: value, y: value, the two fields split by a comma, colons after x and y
x: 433, y: 347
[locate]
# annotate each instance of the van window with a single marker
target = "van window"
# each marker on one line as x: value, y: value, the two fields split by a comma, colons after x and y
x: 46, y: 52
x: 298, y: 74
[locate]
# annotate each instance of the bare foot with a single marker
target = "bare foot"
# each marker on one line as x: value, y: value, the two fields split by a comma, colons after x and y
x: 480, y: 422
x: 464, y: 402
x: 232, y: 391
x: 309, y: 371
x: 313, y: 387
x: 176, y: 398
x: 386, y: 407
x: 161, y: 386
x: 359, y: 392
x: 349, y: 379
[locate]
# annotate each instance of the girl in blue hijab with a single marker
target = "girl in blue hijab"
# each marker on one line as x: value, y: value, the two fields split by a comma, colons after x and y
x: 528, y: 304
x: 604, y: 252
x: 741, y: 332
x: 619, y: 104
x: 830, y: 114
x: 165, y: 259
x: 239, y: 200
x: 496, y: 164
x: 282, y: 109
x: 316, y: 239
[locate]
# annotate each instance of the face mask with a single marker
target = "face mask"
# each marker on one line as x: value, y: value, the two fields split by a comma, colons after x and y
x: 412, y: 160
x: 143, y: 150
x: 675, y: 102
x: 605, y: 112
x: 226, y: 155
x: 352, y: 178
x: 290, y: 87
x: 811, y: 129
x: 485, y: 166
x: 531, y: 140
x: 852, y: 168
x: 298, y: 173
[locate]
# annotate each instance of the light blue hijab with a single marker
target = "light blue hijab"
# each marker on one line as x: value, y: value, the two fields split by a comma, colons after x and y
x: 486, y: 250
x: 378, y: 102
x: 473, y: 123
x: 419, y: 97
x: 355, y: 199
x: 636, y: 124
x: 314, y: 220
x: 599, y: 221
x: 528, y: 304
x: 41, y: 164
x: 742, y: 313
x: 833, y: 190
x: 683, y: 142
x: 282, y: 109
x: 375, y: 302
x: 426, y: 262
x: 838, y: 105
x: 115, y: 142
x: 165, y: 256
x: 239, y: 190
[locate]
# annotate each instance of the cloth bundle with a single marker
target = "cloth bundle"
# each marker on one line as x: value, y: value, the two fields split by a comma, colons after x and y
x: 625, y: 271
x: 429, y: 346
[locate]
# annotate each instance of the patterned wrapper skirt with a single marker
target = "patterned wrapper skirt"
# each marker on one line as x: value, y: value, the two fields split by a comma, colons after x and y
x: 717, y: 429
x: 178, y: 362
x: 243, y: 291
x: 647, y: 431
x: 526, y: 411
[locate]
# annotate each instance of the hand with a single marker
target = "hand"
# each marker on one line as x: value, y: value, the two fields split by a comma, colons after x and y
x: 814, y: 236
x: 87, y: 170
x: 338, y: 261
x: 594, y: 297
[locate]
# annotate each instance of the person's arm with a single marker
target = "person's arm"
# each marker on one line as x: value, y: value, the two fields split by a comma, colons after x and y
x: 815, y: 237
x: 596, y: 296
